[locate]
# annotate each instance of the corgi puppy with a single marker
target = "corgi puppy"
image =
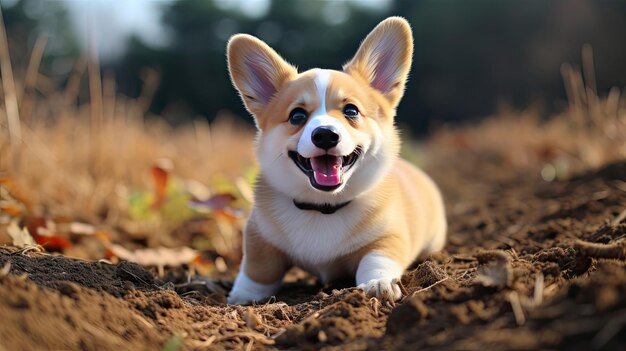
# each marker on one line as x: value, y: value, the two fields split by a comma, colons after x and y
x: 332, y: 196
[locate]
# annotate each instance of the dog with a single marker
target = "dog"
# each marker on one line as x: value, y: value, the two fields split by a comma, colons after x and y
x: 333, y: 197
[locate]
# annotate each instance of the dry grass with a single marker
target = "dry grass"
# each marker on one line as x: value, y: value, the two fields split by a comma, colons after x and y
x: 82, y: 162
x: 70, y: 169
x: 589, y: 134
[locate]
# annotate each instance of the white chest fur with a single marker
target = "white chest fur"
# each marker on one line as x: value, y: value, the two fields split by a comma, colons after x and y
x: 311, y: 238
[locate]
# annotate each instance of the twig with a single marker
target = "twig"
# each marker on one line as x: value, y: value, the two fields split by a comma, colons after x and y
x: 280, y: 332
x: 588, y: 67
x: 204, y: 344
x: 280, y: 307
x: 538, y: 293
x: 10, y: 97
x: 318, y: 313
x: 520, y: 319
x: 620, y: 217
x: 249, y: 335
x: 249, y: 346
x: 95, y: 89
x: 34, y: 248
x: 427, y: 288
x: 431, y: 286
x: 133, y: 275
x: 609, y: 330
x: 151, y: 80
x: 30, y: 80
x: 73, y: 83
x: 615, y: 250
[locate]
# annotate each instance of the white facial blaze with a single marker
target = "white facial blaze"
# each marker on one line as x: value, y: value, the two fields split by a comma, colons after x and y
x: 321, y: 83
x: 320, y: 118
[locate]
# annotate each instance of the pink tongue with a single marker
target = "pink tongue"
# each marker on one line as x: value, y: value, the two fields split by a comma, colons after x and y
x: 327, y: 170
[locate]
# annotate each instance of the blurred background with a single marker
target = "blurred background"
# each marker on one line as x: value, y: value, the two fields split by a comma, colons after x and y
x: 471, y: 58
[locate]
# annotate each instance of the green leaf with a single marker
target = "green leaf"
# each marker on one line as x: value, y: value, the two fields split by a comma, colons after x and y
x: 173, y: 344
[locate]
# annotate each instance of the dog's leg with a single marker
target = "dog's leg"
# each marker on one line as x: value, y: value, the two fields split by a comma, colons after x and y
x: 379, y: 275
x: 261, y: 272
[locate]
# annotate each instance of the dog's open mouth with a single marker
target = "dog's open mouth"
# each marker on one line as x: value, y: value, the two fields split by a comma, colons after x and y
x: 325, y: 172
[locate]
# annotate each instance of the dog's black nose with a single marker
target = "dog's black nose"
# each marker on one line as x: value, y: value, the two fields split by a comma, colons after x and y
x: 325, y: 137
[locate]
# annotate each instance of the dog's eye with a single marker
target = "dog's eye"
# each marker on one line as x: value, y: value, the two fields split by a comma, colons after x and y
x: 350, y: 111
x: 298, y: 116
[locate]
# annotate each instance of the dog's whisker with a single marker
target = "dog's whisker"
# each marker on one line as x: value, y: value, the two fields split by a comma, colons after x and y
x: 277, y: 157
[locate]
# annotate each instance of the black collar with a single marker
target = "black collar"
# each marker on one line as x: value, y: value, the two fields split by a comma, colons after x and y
x: 322, y: 208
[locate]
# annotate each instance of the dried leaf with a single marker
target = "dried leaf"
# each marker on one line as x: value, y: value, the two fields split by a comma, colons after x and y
x: 9, y: 204
x: 215, y: 202
x: 82, y: 228
x: 10, y: 189
x: 54, y: 243
x: 175, y: 209
x: 160, y: 256
x: 12, y: 208
x: 245, y: 189
x: 45, y: 233
x: 160, y: 172
x: 21, y: 237
x: 197, y: 190
x: 40, y: 226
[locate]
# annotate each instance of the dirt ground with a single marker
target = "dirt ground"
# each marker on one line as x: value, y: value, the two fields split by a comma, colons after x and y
x: 529, y: 264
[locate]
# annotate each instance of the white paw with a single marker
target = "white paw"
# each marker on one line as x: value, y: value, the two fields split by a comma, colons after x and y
x: 242, y: 297
x: 384, y: 289
x: 246, y: 290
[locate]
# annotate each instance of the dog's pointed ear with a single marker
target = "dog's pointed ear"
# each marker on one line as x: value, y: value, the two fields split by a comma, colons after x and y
x: 256, y: 70
x: 384, y: 58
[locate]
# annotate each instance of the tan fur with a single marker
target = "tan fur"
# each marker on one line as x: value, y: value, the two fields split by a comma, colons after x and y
x: 403, y: 208
x: 257, y: 251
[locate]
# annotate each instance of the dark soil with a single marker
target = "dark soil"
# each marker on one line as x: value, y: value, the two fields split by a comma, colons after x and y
x: 528, y: 265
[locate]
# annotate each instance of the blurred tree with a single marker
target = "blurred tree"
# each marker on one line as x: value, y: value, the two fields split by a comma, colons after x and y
x: 472, y: 56
x: 469, y: 56
x: 26, y: 20
x: 193, y: 67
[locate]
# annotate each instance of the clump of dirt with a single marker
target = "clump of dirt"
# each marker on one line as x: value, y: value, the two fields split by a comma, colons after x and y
x: 54, y: 271
x: 350, y: 317
x: 529, y: 265
x: 426, y: 274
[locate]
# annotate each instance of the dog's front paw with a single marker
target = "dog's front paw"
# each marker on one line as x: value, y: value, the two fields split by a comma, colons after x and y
x: 384, y: 289
x: 246, y: 290
x: 242, y: 297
